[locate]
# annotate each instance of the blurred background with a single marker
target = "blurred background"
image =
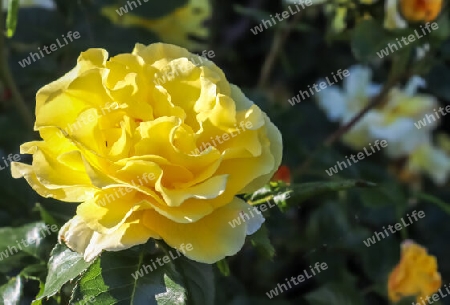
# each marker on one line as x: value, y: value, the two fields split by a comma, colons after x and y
x: 271, y: 67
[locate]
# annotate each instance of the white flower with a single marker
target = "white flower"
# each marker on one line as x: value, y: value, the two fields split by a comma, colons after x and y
x: 393, y: 121
x: 402, y: 136
x: 396, y: 119
x: 342, y: 104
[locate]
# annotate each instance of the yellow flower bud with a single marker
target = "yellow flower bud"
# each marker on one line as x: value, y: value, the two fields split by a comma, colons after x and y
x: 415, y: 275
x: 420, y: 10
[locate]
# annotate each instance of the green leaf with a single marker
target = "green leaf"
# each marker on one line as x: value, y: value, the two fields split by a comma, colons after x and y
x: 438, y: 79
x: 45, y: 216
x: 334, y: 294
x: 30, y: 271
x: 256, y: 15
x: 445, y: 207
x: 14, y: 243
x: 386, y: 194
x: 41, y: 291
x: 299, y: 27
x: 110, y: 280
x: 11, y: 293
x: 11, y: 19
x: 302, y: 192
x: 367, y: 39
x: 64, y: 265
x: 375, y: 269
x: 443, y: 31
x: 33, y: 272
x: 9, y: 262
x: 198, y: 279
x: 400, y: 61
x: 223, y: 267
x: 120, y: 277
x: 260, y: 240
x: 330, y: 225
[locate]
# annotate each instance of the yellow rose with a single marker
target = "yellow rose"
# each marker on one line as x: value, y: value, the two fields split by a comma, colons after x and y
x: 415, y: 275
x: 150, y: 158
x: 420, y: 10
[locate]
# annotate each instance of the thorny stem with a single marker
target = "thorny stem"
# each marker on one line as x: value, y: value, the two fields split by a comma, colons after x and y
x: 278, y: 42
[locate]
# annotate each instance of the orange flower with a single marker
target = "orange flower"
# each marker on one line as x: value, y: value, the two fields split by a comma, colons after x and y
x: 420, y: 10
x: 283, y: 173
x: 415, y: 275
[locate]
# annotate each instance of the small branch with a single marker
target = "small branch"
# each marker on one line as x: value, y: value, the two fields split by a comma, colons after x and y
x: 303, y: 191
x: 445, y: 207
x: 278, y: 42
x: 380, y: 98
x: 7, y: 78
